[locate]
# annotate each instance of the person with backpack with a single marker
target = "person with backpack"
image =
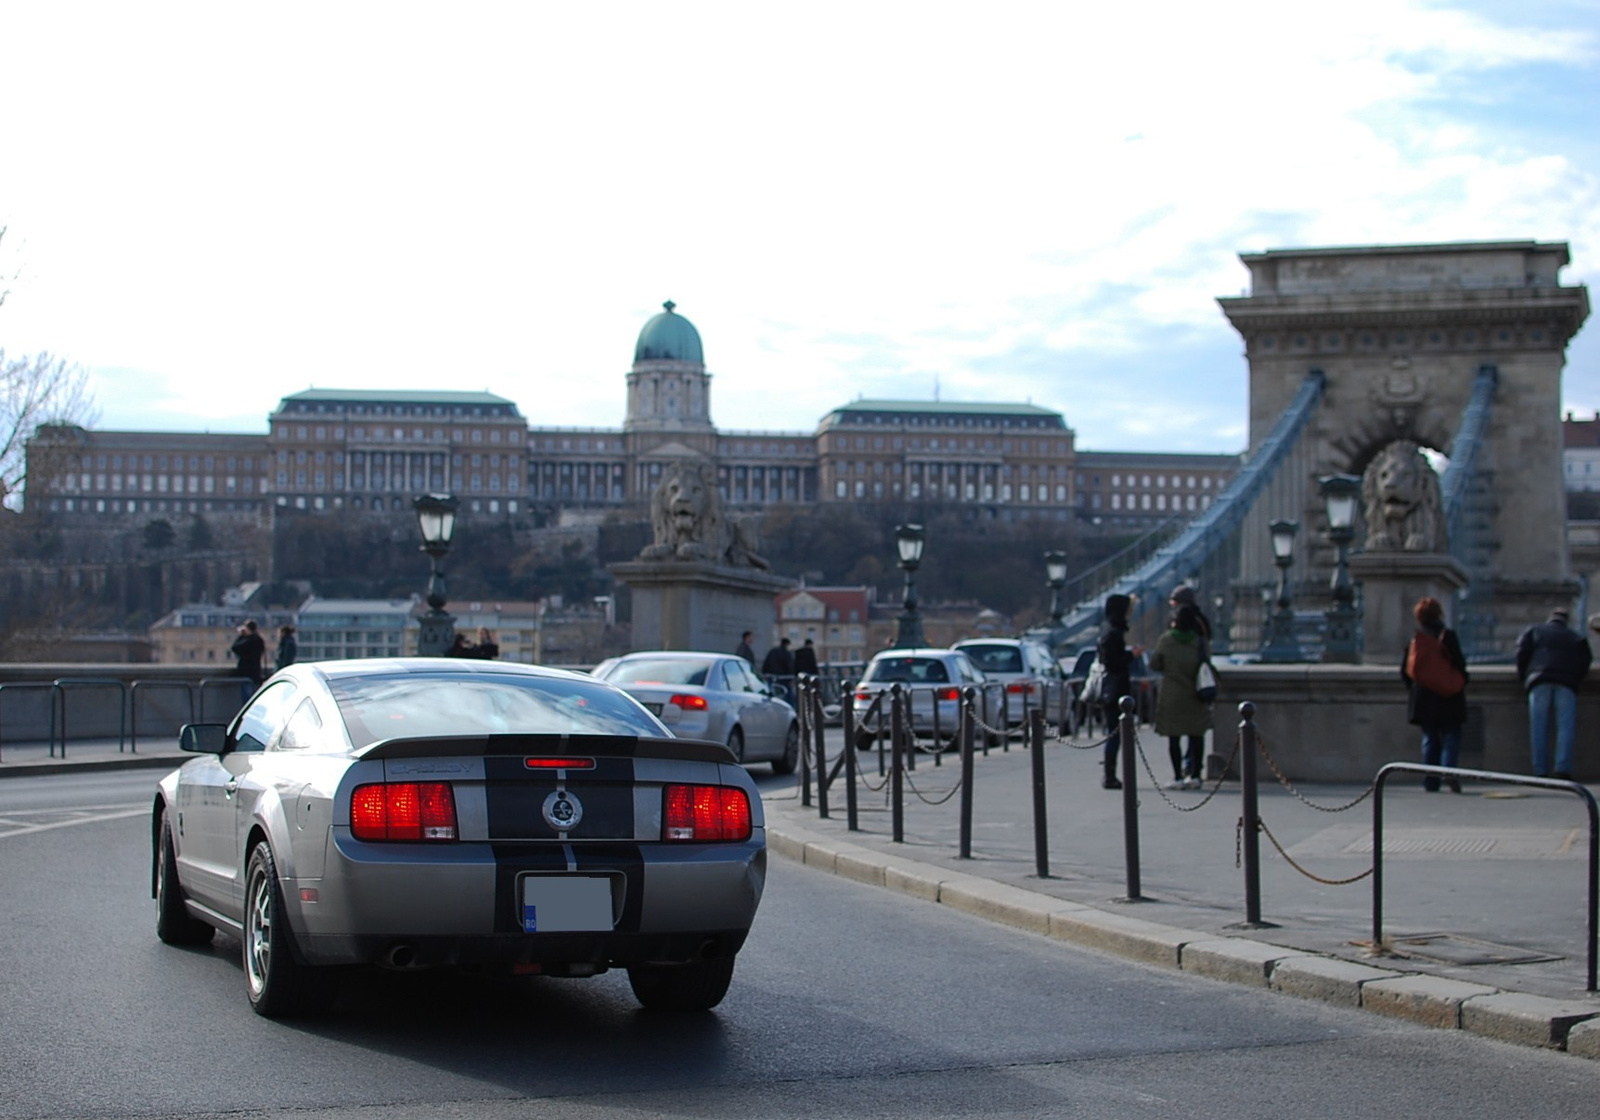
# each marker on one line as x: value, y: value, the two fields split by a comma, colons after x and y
x: 1435, y: 671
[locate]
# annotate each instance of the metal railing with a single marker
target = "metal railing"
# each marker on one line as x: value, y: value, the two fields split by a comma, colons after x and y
x: 1452, y: 773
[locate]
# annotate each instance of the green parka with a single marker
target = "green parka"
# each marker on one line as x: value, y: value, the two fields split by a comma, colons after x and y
x: 1178, y: 710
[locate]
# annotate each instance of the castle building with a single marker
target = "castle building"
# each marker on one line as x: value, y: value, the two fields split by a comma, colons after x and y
x: 372, y: 451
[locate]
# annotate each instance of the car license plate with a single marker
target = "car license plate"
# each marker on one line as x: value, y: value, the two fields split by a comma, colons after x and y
x: 565, y: 903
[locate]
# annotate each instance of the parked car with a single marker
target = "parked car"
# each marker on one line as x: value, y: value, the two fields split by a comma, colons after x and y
x: 419, y: 812
x: 1024, y: 669
x: 1144, y: 683
x: 933, y: 678
x: 711, y: 696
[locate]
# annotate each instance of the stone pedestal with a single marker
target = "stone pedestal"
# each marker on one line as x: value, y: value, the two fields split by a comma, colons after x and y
x: 1391, y: 583
x: 700, y: 606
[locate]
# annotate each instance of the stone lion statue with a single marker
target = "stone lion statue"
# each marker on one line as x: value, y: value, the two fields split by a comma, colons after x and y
x: 1401, y: 494
x: 686, y: 514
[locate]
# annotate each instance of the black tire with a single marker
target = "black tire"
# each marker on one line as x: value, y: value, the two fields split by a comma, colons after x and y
x: 791, y: 752
x: 865, y: 739
x: 736, y: 743
x: 681, y: 987
x: 278, y: 985
x: 174, y: 924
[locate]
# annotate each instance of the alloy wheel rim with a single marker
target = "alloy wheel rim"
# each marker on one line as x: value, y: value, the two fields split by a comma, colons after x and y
x: 259, y: 946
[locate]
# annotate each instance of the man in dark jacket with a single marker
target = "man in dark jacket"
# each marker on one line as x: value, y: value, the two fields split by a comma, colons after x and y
x: 805, y: 659
x: 1117, y: 658
x: 1552, y: 660
x: 778, y: 668
x: 249, y: 647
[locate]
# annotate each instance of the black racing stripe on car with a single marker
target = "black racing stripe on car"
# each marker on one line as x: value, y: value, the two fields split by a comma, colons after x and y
x: 517, y: 808
x: 514, y: 860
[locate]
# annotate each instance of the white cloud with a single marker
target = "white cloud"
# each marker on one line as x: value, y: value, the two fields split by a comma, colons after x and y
x: 849, y: 199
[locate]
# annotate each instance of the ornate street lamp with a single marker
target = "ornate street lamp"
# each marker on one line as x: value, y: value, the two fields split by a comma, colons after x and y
x: 1055, y: 575
x: 908, y: 541
x: 1281, y: 644
x: 436, y: 518
x: 1340, y: 493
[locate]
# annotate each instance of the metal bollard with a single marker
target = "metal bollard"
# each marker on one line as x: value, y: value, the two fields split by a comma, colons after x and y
x: 967, y: 729
x: 1250, y: 819
x: 1041, y: 826
x: 897, y: 749
x: 847, y: 715
x: 1127, y: 728
x: 820, y: 745
x: 803, y: 710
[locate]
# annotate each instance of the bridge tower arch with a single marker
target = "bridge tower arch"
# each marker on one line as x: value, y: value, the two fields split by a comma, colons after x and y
x: 1411, y: 340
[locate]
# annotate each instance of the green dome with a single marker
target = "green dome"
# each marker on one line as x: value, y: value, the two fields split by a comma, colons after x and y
x: 669, y: 337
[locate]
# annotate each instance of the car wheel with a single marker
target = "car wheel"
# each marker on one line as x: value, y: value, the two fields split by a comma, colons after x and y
x: 736, y: 743
x: 865, y: 739
x: 174, y: 924
x: 279, y: 986
x: 791, y: 752
x: 681, y: 987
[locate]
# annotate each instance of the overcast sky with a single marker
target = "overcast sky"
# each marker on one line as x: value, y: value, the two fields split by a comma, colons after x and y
x: 211, y: 206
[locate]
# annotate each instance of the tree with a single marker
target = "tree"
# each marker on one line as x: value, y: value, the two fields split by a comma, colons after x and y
x: 200, y: 538
x: 35, y: 389
x: 158, y: 535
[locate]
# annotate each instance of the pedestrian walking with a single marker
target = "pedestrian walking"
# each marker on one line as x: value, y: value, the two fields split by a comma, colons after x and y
x: 805, y: 659
x: 1117, y: 659
x: 248, y: 648
x: 1183, y: 596
x: 1435, y: 673
x: 778, y: 667
x: 1552, y: 660
x: 1180, y: 713
x: 486, y: 648
x: 744, y: 649
x: 288, y: 648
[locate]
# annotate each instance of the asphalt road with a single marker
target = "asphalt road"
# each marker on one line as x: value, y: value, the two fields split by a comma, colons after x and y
x: 848, y: 1001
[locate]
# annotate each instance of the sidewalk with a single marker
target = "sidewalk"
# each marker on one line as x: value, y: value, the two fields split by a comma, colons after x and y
x: 1485, y: 892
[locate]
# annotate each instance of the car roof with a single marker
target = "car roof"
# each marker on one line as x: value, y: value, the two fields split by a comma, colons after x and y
x: 429, y: 666
x: 670, y: 654
x: 918, y: 651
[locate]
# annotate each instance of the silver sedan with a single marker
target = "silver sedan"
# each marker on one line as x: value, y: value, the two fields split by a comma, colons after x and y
x: 420, y: 812
x: 711, y: 696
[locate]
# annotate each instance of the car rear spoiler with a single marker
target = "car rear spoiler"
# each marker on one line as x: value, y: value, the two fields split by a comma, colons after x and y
x: 603, y: 746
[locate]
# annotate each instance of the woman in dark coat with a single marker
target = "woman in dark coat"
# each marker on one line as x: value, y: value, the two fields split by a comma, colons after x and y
x: 1179, y: 712
x: 1440, y: 716
x: 1117, y: 658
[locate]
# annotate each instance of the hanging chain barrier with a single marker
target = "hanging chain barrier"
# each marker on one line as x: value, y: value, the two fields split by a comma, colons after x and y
x: 1222, y: 776
x: 1284, y: 781
x: 1261, y: 826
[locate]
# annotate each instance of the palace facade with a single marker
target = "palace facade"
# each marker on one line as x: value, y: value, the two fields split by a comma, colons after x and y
x: 372, y: 451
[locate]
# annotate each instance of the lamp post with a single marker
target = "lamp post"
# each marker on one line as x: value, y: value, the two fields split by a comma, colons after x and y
x: 1339, y: 496
x: 1220, y: 625
x: 908, y: 541
x: 1281, y: 644
x: 436, y: 518
x: 1055, y: 574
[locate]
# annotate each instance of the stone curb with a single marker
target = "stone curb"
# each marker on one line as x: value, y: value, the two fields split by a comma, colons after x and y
x: 1429, y: 1000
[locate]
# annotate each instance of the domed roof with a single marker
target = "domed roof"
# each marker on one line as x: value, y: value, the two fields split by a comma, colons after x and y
x: 669, y: 337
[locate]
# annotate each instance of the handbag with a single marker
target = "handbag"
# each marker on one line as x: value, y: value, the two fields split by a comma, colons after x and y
x: 1205, y: 682
x: 1095, y: 683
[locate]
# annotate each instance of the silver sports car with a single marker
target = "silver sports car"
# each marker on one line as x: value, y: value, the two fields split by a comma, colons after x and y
x: 416, y: 812
x: 711, y: 696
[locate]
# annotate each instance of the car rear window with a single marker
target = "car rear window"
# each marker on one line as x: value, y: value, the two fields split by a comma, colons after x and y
x: 385, y: 707
x: 996, y: 658
x: 907, y: 670
x: 663, y: 670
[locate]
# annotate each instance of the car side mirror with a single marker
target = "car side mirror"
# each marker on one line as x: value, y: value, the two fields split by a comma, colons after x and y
x: 203, y: 738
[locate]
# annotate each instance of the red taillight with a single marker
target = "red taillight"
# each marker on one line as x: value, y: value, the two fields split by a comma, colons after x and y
x: 704, y: 813
x: 863, y: 695
x: 1018, y: 686
x: 947, y: 693
x: 688, y: 702
x: 403, y: 811
x: 558, y: 763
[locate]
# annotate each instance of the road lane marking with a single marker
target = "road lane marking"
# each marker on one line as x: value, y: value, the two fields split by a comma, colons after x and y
x: 27, y: 821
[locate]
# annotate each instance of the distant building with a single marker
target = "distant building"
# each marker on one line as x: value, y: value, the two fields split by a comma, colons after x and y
x: 336, y: 629
x: 834, y: 618
x: 1580, y: 456
x: 372, y: 451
